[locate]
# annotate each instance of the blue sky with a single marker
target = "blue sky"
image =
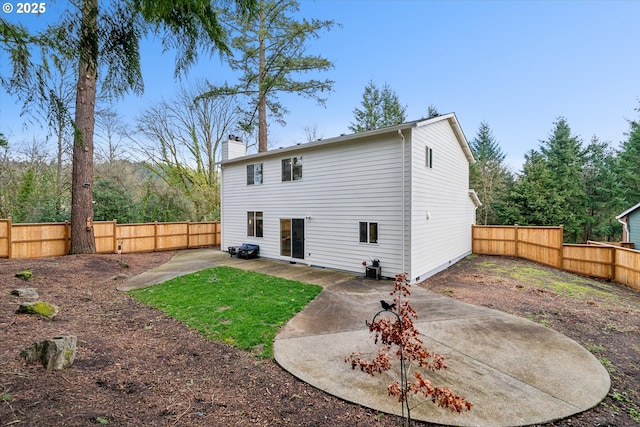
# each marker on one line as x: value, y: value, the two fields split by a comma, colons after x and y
x: 517, y: 65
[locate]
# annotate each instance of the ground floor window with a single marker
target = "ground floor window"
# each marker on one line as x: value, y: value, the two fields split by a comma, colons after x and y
x: 254, y: 224
x: 368, y: 232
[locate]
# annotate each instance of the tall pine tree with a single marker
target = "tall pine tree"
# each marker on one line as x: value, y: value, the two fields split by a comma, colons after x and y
x: 564, y: 157
x: 531, y: 196
x: 107, y: 40
x: 270, y: 50
x: 604, y: 195
x: 489, y: 176
x: 379, y: 108
x: 629, y: 165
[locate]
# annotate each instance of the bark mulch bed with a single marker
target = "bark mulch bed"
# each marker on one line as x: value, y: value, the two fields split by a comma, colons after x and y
x: 138, y: 367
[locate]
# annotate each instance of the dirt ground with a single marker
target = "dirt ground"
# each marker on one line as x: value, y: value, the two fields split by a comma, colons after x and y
x: 137, y: 367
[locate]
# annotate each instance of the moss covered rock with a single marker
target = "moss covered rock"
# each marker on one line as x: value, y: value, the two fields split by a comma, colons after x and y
x: 43, y: 309
x: 24, y: 274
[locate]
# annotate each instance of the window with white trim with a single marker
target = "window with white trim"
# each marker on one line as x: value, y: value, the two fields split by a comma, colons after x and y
x: 254, y: 224
x: 292, y: 169
x: 428, y: 157
x: 254, y: 174
x: 368, y: 232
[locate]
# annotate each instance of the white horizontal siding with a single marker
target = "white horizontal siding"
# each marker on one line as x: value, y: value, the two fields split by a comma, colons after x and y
x: 342, y: 184
x: 443, y: 191
x: 356, y: 180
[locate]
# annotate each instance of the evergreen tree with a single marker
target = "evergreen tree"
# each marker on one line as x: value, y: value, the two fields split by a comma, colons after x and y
x: 432, y: 111
x: 114, y: 201
x: 25, y: 197
x: 604, y: 194
x: 109, y: 39
x: 380, y: 108
x: 532, y: 197
x: 629, y: 166
x: 563, y: 155
x: 489, y: 176
x: 271, y: 49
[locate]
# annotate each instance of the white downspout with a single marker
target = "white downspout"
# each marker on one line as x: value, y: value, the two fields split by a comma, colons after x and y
x: 404, y: 270
x: 625, y: 229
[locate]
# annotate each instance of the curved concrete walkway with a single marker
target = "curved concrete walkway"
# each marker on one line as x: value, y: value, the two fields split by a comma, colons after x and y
x: 514, y: 371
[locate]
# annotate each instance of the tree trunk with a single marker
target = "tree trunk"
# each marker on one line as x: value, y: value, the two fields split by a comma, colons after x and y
x: 262, y: 100
x: 82, y: 237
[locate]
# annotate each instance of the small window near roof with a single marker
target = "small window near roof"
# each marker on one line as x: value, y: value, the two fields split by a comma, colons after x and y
x: 428, y: 157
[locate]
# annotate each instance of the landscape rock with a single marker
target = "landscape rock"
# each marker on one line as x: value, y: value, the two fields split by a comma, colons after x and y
x: 120, y: 276
x: 55, y: 354
x: 26, y: 293
x: 43, y: 309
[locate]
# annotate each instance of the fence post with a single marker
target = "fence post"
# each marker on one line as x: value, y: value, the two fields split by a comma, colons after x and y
x: 614, y: 254
x: 188, y: 234
x: 9, y: 239
x: 115, y: 237
x: 515, y: 227
x: 155, y: 236
x: 67, y: 237
x: 561, y: 250
x: 473, y: 238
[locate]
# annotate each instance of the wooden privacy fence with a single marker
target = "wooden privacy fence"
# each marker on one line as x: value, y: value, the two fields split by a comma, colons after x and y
x: 53, y: 239
x: 545, y: 245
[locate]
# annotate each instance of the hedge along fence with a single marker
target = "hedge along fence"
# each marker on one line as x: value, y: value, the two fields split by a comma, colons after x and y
x: 545, y: 245
x: 54, y: 239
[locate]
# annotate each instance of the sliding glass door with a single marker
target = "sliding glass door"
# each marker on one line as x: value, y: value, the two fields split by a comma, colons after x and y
x: 292, y: 238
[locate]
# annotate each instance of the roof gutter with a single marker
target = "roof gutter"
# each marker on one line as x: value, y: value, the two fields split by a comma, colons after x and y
x: 338, y: 139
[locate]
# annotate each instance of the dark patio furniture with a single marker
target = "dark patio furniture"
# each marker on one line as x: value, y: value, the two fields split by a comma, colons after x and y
x: 248, y: 251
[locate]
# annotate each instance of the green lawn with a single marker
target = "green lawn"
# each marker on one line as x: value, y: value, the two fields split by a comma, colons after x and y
x: 242, y: 308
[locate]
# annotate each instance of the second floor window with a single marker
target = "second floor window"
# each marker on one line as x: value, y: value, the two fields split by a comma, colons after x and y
x: 292, y: 169
x: 254, y: 174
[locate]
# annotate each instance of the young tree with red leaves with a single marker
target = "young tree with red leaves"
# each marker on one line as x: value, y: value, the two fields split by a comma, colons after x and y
x: 398, y: 330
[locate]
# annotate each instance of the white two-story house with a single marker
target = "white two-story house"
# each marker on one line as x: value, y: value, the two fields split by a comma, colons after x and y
x: 399, y: 195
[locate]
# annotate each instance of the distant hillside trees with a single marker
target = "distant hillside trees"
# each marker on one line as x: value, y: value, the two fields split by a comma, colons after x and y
x: 179, y: 141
